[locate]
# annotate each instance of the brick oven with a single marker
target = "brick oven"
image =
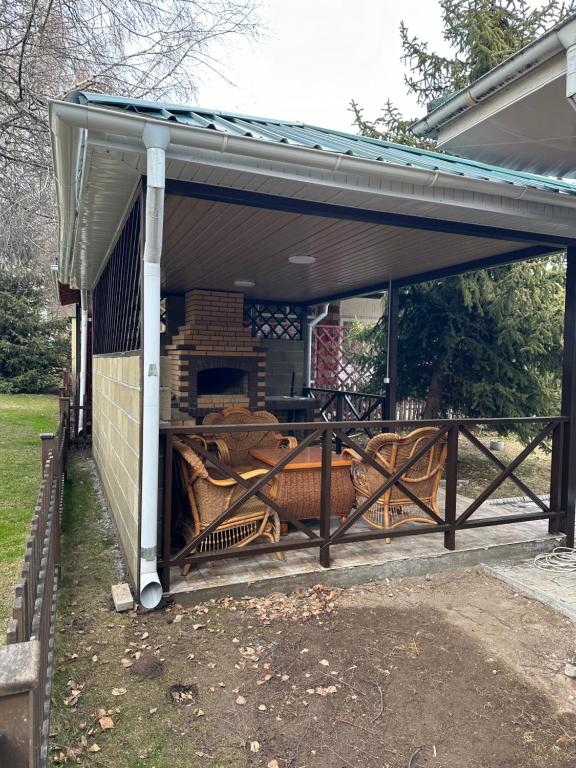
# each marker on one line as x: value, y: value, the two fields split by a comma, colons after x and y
x: 214, y: 361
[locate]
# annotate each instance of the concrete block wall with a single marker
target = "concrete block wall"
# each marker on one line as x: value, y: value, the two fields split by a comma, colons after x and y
x: 116, y: 403
x: 282, y: 357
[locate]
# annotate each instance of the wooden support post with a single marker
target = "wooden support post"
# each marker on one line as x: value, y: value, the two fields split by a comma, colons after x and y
x: 392, y: 352
x: 167, y: 517
x: 568, y: 495
x: 556, y: 478
x: 451, y: 486
x: 325, y: 495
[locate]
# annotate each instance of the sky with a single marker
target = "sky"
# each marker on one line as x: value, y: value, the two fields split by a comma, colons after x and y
x: 313, y: 56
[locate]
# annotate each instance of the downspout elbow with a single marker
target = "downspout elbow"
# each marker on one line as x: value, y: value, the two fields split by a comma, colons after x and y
x: 311, y: 323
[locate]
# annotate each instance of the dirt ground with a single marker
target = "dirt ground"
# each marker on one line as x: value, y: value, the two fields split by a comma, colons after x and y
x: 453, y: 671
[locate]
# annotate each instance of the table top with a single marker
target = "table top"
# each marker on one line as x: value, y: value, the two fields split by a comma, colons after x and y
x: 308, y: 458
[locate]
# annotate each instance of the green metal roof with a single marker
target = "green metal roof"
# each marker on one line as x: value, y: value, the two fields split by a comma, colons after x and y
x: 313, y: 137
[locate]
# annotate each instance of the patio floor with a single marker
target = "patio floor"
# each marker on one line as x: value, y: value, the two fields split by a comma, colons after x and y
x: 368, y: 560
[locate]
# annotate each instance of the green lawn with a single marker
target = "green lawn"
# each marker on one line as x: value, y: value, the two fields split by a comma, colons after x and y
x: 22, y: 419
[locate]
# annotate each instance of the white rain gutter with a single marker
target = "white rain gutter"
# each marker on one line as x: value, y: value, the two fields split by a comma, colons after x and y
x: 156, y: 139
x: 83, y: 357
x: 311, y: 323
x: 562, y: 37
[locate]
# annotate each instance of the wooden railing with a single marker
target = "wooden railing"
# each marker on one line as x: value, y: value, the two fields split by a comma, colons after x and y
x: 26, y: 660
x: 346, y: 405
x: 328, y: 533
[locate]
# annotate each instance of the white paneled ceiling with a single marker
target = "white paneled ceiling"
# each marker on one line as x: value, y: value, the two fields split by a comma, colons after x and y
x: 212, y: 244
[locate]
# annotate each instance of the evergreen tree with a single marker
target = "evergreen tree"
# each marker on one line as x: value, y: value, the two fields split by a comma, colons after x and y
x: 33, y: 346
x: 481, y: 34
x: 490, y: 346
x: 486, y: 343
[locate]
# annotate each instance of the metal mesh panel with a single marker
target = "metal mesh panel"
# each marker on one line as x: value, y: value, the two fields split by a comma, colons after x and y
x: 116, y: 298
x: 274, y: 321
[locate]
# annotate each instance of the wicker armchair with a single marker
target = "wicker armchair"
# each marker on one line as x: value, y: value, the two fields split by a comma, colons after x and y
x: 233, y: 448
x: 394, y: 508
x: 206, y: 498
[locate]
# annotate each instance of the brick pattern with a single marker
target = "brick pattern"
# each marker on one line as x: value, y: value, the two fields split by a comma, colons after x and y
x: 116, y: 403
x: 214, y: 336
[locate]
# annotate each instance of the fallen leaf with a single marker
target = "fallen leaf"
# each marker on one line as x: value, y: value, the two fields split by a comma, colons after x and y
x: 145, y: 635
x: 254, y: 746
x: 262, y: 707
x: 273, y: 764
x: 94, y: 748
x: 199, y: 626
x: 118, y: 691
x: 153, y: 710
x: 324, y: 663
x: 240, y: 700
x: 177, y: 619
x: 106, y: 723
x: 126, y: 663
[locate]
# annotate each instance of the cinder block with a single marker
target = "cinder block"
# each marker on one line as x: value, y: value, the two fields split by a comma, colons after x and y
x: 122, y: 596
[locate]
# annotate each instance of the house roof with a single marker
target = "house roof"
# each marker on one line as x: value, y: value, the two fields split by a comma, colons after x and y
x: 502, y: 78
x: 313, y: 137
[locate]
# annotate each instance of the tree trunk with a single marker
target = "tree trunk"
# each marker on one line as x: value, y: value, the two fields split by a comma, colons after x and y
x: 434, y: 396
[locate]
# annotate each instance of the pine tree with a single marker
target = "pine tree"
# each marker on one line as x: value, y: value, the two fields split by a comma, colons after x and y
x: 33, y: 345
x: 481, y: 34
x: 486, y: 343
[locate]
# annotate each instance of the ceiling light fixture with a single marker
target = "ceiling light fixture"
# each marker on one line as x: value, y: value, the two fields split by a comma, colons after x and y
x: 244, y: 283
x: 301, y: 259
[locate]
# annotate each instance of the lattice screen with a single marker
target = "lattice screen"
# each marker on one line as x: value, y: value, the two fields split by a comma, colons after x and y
x: 274, y: 321
x: 333, y: 359
x: 116, y: 298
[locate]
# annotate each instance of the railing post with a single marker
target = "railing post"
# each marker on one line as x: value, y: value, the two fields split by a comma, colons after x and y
x: 167, y: 516
x: 325, y: 495
x: 339, y: 418
x: 451, y: 486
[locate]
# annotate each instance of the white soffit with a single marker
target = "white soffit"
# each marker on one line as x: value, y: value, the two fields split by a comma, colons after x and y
x: 210, y: 245
x: 113, y: 168
x: 530, y: 126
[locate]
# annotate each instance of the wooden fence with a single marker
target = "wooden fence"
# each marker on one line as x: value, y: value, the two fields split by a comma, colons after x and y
x: 27, y: 658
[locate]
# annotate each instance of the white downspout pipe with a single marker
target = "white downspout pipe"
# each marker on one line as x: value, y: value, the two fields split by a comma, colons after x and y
x: 156, y: 139
x: 311, y: 323
x: 83, y: 357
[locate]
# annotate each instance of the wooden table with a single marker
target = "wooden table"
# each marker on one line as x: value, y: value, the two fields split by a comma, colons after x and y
x: 299, y: 482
